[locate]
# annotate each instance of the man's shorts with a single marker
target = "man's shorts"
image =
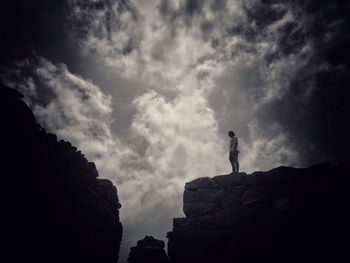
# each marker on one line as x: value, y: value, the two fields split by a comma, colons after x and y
x: 233, y: 156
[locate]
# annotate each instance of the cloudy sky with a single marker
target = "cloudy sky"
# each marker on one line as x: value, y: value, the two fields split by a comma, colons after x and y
x: 148, y: 89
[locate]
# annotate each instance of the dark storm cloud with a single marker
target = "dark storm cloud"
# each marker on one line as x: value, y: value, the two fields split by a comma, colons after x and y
x: 60, y: 31
x: 183, y: 13
x: 218, y: 5
x: 192, y: 6
x: 40, y: 26
x: 53, y: 29
x: 310, y: 100
x: 315, y: 110
x: 207, y: 28
x: 313, y: 21
x: 262, y: 13
x: 86, y: 11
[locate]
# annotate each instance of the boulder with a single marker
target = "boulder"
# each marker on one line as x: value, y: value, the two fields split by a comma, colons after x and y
x: 189, y: 196
x: 179, y: 222
x: 209, y: 195
x: 206, y: 220
x: 230, y: 179
x: 69, y: 215
x: 237, y: 191
x: 150, y: 241
x: 263, y: 216
x: 199, y: 183
x: 233, y: 203
x: 253, y: 195
x: 199, y: 209
x: 225, y: 218
x: 148, y: 250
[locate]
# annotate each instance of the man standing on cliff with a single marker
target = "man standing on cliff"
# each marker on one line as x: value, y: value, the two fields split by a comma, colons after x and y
x: 233, y: 152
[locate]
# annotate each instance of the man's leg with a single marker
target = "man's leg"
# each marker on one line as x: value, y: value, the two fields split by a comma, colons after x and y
x: 236, y: 166
x: 235, y: 160
x: 232, y: 162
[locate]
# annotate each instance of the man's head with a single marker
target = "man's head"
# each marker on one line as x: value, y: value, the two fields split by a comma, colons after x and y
x: 231, y: 134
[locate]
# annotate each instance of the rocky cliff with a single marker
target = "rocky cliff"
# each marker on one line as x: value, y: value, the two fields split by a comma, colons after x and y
x: 54, y: 207
x: 283, y: 215
x: 148, y: 250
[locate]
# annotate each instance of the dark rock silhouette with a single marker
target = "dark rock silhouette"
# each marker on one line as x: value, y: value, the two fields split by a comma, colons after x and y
x: 148, y: 250
x: 54, y: 208
x: 283, y: 215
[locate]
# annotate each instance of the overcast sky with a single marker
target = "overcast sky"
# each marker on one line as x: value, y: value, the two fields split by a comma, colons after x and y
x: 148, y: 89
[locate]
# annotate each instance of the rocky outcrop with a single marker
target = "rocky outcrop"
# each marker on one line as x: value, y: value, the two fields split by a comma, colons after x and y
x: 283, y: 215
x: 148, y: 250
x: 54, y: 207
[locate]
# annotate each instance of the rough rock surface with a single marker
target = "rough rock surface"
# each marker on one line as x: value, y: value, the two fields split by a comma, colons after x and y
x: 54, y: 209
x: 148, y: 250
x: 283, y: 215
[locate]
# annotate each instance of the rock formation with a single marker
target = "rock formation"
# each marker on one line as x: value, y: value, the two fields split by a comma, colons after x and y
x: 148, y: 250
x: 54, y: 209
x: 283, y: 215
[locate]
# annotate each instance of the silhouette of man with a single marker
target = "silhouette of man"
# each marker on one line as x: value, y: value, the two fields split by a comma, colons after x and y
x: 233, y: 152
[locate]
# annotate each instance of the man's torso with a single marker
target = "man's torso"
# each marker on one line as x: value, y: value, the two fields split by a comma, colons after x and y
x: 233, y: 144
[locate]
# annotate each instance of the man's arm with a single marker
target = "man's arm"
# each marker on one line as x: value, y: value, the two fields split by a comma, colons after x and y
x: 235, y: 143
